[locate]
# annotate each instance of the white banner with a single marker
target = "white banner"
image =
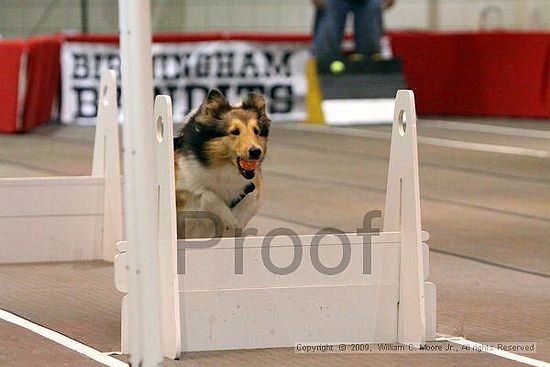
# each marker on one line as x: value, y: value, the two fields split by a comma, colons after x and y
x: 186, y: 71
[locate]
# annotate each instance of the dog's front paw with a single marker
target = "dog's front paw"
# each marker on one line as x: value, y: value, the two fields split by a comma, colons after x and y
x: 246, y: 209
x: 230, y: 222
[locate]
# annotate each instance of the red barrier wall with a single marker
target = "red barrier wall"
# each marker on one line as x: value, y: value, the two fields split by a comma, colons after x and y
x: 39, y: 81
x: 198, y: 37
x: 487, y: 74
x: 43, y: 77
x: 484, y: 74
x: 10, y: 64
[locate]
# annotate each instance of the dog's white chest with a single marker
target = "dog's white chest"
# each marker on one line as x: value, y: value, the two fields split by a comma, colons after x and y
x: 225, y: 181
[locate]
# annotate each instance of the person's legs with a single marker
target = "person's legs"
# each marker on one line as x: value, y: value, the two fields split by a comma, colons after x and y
x: 327, y: 42
x: 367, y: 26
x: 318, y: 17
x: 317, y: 20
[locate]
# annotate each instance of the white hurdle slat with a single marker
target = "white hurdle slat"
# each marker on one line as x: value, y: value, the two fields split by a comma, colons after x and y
x: 46, y: 219
x: 260, y: 309
x: 402, y: 214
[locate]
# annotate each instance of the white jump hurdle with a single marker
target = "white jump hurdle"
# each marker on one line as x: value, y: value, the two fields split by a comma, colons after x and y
x: 212, y: 308
x: 68, y: 218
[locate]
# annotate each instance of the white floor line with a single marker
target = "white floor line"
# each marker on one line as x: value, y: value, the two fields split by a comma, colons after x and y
x: 62, y: 339
x: 481, y: 147
x: 113, y: 362
x: 457, y: 144
x: 483, y: 128
x: 500, y: 353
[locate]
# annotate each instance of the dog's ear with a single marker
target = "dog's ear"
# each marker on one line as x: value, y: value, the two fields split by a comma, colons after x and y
x: 213, y: 106
x: 255, y: 102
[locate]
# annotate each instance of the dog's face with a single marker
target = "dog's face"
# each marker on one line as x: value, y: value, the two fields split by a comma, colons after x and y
x: 221, y: 134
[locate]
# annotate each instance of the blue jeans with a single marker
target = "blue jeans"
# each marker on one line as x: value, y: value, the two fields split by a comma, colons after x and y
x: 367, y: 27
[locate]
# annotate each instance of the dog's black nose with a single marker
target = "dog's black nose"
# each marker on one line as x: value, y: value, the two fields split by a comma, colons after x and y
x: 254, y: 153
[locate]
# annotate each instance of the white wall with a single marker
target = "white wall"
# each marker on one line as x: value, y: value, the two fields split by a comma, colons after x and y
x: 21, y: 18
x: 296, y: 15
x: 466, y: 14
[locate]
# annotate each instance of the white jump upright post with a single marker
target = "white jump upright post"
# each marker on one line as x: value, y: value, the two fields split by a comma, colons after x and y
x: 167, y: 227
x: 106, y: 163
x: 402, y: 214
x: 141, y: 190
x: 167, y: 241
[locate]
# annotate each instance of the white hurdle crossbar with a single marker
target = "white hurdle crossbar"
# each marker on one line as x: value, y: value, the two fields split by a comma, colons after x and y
x: 214, y: 307
x: 68, y: 218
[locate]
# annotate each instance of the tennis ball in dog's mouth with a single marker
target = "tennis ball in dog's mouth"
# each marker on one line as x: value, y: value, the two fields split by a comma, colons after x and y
x: 337, y: 67
x: 248, y: 165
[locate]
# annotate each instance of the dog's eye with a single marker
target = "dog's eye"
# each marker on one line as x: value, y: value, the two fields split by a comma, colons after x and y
x: 256, y: 131
x: 235, y: 131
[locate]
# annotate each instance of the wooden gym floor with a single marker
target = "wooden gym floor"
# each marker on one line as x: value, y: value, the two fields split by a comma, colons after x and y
x: 485, y: 188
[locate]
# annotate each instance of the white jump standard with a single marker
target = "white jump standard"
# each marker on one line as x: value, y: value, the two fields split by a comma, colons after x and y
x: 220, y: 310
x: 68, y: 218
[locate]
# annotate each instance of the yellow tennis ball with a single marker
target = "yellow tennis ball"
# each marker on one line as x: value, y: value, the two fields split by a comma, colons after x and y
x: 337, y: 67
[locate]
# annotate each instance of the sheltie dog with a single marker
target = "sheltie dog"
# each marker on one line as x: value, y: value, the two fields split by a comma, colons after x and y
x: 218, y: 158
